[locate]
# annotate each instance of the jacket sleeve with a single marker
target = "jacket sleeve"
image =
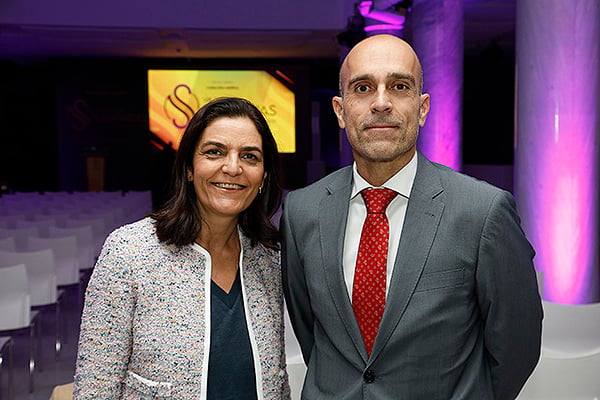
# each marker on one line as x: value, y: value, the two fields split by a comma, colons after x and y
x: 294, y: 284
x: 106, y: 327
x: 509, y: 299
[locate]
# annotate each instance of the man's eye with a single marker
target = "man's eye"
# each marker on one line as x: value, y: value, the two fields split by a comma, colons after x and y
x: 400, y: 86
x: 362, y: 88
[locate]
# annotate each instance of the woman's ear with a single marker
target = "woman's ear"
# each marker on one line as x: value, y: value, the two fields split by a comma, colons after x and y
x: 262, y: 184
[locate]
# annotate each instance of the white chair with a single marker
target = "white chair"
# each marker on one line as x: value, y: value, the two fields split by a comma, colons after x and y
x: 570, y: 359
x: 6, y: 353
x: 15, y: 300
x: 41, y: 273
x: 85, y: 240
x: 41, y: 224
x: 66, y: 256
x: 9, y: 217
x: 110, y: 215
x: 137, y: 204
x: 8, y: 243
x: 43, y: 287
x: 20, y: 235
x: 99, y: 230
x: 57, y: 215
x: 15, y: 309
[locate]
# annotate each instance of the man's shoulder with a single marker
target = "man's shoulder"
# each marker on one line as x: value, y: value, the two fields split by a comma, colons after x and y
x: 332, y: 181
x: 460, y: 181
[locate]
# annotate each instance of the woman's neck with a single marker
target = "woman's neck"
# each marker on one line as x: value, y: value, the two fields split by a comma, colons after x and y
x: 215, y: 237
x: 223, y: 244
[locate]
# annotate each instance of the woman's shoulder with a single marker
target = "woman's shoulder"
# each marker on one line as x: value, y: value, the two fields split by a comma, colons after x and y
x: 136, y: 248
x: 144, y: 225
x: 138, y: 234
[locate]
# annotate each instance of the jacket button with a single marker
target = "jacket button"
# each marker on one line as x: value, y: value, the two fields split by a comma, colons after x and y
x: 369, y: 376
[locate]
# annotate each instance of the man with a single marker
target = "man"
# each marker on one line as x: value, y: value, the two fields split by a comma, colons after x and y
x: 461, y: 310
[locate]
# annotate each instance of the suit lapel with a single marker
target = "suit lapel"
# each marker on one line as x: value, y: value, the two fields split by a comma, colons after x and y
x: 421, y: 222
x: 333, y: 213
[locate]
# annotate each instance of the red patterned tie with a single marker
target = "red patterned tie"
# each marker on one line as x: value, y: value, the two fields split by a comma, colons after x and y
x: 368, y: 290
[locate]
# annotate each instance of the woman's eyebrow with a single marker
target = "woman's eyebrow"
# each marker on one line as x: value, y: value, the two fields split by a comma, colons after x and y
x: 211, y: 143
x: 222, y: 146
x: 252, y: 148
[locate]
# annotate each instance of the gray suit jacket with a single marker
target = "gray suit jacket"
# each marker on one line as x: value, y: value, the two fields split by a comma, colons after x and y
x: 463, y: 315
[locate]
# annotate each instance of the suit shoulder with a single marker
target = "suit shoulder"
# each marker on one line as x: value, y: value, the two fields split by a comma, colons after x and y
x: 331, y: 181
x: 466, y: 183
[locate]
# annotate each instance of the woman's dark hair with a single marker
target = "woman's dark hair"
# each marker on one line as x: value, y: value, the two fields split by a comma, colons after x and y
x: 178, y: 222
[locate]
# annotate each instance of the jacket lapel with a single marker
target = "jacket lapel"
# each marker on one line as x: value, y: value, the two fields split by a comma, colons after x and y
x: 333, y: 213
x: 421, y: 222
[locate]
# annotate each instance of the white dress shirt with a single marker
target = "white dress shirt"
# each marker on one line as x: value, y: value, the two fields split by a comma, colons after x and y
x: 402, y: 183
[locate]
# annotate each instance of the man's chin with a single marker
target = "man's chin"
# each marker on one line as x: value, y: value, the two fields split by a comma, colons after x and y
x: 386, y: 153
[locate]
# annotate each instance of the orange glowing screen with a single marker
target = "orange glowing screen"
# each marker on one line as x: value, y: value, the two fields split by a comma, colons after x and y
x: 175, y: 95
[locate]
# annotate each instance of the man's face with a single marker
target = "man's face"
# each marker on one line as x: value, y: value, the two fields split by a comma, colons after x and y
x: 381, y: 106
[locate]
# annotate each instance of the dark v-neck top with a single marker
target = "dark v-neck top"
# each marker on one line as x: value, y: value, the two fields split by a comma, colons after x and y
x: 230, y: 365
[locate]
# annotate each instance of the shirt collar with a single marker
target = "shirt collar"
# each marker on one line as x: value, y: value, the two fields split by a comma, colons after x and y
x: 401, y: 182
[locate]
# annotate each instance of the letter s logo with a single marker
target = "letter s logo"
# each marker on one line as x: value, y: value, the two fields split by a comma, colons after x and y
x: 180, y: 106
x: 79, y: 114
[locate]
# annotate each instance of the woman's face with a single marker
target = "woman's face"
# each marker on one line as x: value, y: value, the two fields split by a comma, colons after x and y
x: 228, y: 167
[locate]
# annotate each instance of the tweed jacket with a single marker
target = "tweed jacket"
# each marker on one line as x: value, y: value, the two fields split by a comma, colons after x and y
x: 145, y: 328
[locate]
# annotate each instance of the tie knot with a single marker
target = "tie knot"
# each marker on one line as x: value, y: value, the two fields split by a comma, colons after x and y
x: 377, y: 200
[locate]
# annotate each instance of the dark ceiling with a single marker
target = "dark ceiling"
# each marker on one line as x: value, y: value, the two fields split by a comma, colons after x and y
x: 485, y: 21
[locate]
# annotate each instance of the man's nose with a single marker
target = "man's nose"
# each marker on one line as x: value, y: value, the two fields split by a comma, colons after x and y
x: 381, y: 101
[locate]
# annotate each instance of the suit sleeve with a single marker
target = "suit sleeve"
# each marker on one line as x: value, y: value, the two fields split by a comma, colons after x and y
x: 294, y: 283
x: 509, y: 299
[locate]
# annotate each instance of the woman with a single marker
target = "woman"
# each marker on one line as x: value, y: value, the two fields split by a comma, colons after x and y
x: 187, y: 303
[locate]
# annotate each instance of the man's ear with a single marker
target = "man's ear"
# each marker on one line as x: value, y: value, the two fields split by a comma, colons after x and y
x: 338, y: 109
x: 424, y: 108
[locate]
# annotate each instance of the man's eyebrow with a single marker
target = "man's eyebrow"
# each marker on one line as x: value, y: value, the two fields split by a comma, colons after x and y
x: 393, y: 75
x: 408, y: 77
x: 359, y: 78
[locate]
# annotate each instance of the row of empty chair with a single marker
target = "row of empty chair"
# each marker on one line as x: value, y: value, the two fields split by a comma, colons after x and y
x: 47, y: 242
x: 18, y: 314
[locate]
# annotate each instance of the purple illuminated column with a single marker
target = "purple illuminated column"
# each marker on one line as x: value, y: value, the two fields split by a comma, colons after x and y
x: 438, y: 37
x: 556, y: 160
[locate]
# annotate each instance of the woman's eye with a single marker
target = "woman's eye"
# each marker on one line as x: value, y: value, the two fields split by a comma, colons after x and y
x: 250, y: 157
x: 212, y: 152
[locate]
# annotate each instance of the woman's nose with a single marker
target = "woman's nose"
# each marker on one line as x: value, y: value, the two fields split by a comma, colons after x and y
x: 232, y: 165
